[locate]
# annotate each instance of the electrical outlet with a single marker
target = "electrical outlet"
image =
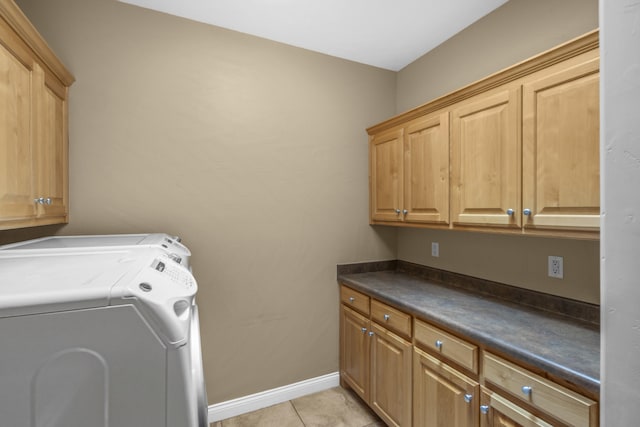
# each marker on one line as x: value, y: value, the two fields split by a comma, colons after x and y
x: 435, y: 249
x: 556, y: 269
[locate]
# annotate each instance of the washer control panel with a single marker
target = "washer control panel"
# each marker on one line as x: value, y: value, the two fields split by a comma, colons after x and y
x: 174, y: 271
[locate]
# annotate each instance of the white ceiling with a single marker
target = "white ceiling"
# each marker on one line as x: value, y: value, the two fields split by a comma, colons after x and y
x: 388, y: 34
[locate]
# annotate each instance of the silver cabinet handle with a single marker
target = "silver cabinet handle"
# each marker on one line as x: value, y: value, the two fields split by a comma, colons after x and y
x: 351, y: 299
x: 371, y: 334
x: 39, y: 200
x: 527, y: 212
x: 47, y: 201
x: 405, y: 211
x: 386, y: 317
x: 397, y: 211
x: 468, y: 398
x: 484, y: 409
x: 510, y: 212
x: 438, y: 344
x: 364, y: 330
x: 527, y: 390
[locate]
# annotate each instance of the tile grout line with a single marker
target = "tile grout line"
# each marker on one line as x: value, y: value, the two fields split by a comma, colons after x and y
x: 297, y: 413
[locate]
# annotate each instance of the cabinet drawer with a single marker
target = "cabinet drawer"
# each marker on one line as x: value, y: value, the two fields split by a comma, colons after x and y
x: 551, y: 398
x: 354, y: 299
x: 449, y: 346
x: 391, y: 318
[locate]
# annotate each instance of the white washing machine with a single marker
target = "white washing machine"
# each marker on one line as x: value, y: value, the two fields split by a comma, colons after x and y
x: 170, y: 244
x: 105, y: 338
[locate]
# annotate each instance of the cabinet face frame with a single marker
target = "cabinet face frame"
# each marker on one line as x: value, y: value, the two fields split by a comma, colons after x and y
x: 501, y: 412
x: 561, y: 184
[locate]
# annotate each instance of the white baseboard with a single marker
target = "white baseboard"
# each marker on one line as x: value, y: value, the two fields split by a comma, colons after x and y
x: 253, y: 402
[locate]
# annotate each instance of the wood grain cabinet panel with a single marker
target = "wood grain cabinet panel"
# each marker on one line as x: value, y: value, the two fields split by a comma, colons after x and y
x: 561, y: 137
x: 451, y: 347
x: 496, y: 411
x: 442, y: 396
x: 354, y: 299
x: 386, y: 175
x: 391, y: 377
x: 33, y: 126
x: 485, y: 160
x: 426, y: 170
x: 391, y: 318
x: 547, y: 396
x: 16, y: 192
x: 354, y: 351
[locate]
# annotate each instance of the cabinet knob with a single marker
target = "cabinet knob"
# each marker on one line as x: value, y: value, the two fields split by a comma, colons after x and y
x: 397, y: 211
x: 438, y: 344
x: 352, y: 299
x: 386, y: 317
x: 484, y: 409
x: 47, y: 201
x: 468, y: 398
x: 364, y: 330
x: 527, y: 390
x: 405, y: 211
x: 527, y: 212
x: 371, y: 334
x: 510, y: 212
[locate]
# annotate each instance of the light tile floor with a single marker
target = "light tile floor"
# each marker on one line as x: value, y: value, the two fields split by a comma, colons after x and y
x: 335, y: 407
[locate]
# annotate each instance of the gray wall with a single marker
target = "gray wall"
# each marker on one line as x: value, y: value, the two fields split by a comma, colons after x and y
x: 512, y: 33
x: 620, y: 243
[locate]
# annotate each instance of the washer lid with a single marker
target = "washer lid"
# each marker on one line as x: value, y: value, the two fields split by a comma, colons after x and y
x: 46, y: 282
x: 179, y: 252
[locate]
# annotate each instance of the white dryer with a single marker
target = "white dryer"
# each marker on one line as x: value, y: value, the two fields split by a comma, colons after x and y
x: 106, y: 338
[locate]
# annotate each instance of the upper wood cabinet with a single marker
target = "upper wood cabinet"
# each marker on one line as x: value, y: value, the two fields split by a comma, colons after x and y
x: 561, y: 161
x: 409, y: 172
x: 517, y: 152
x: 33, y: 126
x: 485, y: 159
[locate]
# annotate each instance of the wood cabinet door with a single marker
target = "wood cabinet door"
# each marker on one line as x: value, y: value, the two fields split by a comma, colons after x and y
x: 561, y: 143
x: 50, y: 145
x: 391, y: 377
x: 426, y: 169
x: 486, y: 160
x: 16, y: 191
x: 385, y: 181
x: 442, y: 396
x: 496, y: 411
x: 354, y: 351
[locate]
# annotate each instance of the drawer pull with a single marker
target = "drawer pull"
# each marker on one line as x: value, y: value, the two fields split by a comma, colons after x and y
x: 526, y: 390
x: 439, y: 344
x: 364, y: 330
x: 371, y: 334
x: 386, y: 317
x: 484, y: 409
x: 351, y: 299
x: 468, y: 398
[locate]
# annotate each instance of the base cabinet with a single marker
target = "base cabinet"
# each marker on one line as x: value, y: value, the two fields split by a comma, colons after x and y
x: 442, y: 396
x: 376, y: 364
x: 496, y: 411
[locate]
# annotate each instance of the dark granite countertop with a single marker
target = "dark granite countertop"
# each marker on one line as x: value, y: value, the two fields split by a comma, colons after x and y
x: 566, y: 348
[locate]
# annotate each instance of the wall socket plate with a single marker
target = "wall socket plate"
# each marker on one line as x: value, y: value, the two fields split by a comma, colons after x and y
x: 435, y: 249
x: 556, y: 267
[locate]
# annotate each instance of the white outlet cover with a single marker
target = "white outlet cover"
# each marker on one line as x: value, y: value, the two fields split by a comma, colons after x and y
x: 556, y: 267
x: 435, y: 249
